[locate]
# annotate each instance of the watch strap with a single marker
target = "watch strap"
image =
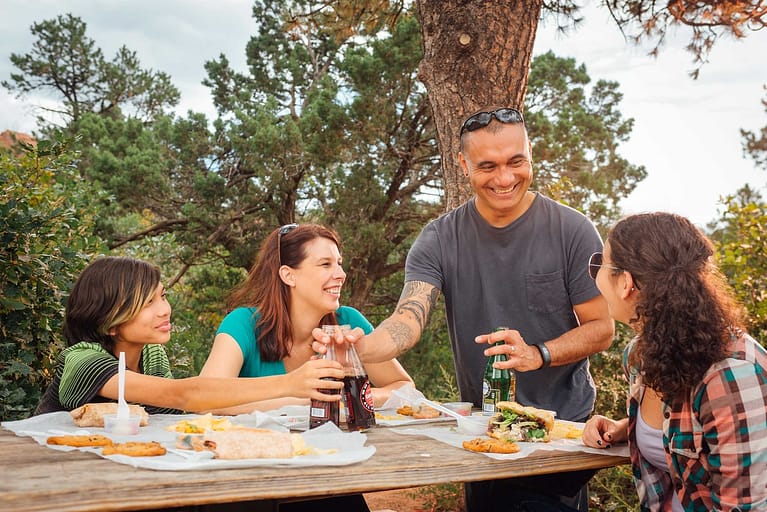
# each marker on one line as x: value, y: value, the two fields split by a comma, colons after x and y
x: 545, y: 354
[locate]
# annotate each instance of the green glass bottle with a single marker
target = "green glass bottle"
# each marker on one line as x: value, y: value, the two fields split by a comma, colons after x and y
x: 497, y: 385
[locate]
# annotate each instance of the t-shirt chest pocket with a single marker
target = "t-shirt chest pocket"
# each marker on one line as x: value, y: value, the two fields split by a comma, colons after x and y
x: 546, y: 293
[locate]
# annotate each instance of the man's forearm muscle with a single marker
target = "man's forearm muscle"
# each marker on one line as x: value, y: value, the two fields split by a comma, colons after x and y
x: 405, y: 326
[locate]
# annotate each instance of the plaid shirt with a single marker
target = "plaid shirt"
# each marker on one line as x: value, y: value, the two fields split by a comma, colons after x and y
x: 715, y: 441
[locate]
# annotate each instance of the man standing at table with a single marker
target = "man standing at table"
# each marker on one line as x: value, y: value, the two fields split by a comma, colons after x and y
x: 508, y: 257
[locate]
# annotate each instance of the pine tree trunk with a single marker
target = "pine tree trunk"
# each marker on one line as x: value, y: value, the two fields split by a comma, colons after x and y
x: 476, y: 53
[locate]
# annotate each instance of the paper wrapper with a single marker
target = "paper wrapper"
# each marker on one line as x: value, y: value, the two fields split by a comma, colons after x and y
x: 408, y: 395
x: 451, y: 436
x: 347, y: 447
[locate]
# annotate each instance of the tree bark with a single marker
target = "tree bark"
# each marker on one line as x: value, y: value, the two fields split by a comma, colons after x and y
x: 476, y: 54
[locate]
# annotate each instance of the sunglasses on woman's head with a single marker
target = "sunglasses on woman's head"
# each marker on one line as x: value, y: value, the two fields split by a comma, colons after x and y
x: 482, y: 119
x: 595, y: 263
x: 284, y: 230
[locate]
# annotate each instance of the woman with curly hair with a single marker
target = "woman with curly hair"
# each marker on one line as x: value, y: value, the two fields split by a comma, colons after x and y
x: 697, y: 406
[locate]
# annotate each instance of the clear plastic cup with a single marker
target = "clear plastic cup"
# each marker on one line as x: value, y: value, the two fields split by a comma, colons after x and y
x: 462, y: 408
x: 122, y: 426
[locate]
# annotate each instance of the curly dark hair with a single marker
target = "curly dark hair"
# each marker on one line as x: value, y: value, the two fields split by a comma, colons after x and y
x: 686, y: 313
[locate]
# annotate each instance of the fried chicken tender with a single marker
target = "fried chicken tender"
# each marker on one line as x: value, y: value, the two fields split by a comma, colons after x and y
x: 135, y: 449
x: 490, y: 445
x: 79, y: 441
x: 405, y: 410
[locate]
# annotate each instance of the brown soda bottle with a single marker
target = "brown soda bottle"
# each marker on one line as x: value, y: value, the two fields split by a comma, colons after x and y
x: 320, y: 412
x: 358, y: 397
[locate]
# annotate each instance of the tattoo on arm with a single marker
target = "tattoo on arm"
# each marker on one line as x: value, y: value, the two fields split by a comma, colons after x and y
x: 417, y: 301
x: 401, y: 334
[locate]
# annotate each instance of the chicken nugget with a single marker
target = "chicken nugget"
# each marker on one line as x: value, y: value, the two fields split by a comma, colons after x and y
x: 80, y: 441
x: 135, y: 449
x: 490, y: 445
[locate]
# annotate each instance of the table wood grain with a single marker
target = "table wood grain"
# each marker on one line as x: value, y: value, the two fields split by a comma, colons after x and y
x: 37, y: 478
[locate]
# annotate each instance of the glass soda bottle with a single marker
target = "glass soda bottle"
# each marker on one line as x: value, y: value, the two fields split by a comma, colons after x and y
x: 358, y: 397
x: 320, y: 412
x: 498, y: 384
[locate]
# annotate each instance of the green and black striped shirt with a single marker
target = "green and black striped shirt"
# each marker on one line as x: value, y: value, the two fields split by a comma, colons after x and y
x: 84, y: 368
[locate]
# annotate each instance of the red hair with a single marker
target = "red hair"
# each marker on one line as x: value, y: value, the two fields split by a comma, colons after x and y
x: 264, y: 290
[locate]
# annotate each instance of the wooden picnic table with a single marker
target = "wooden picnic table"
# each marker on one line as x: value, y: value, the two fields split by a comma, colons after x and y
x: 35, y: 477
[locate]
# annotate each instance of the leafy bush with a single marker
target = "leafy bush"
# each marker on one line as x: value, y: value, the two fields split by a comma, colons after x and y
x: 45, y: 240
x: 199, y: 306
x: 741, y: 242
x: 430, y: 362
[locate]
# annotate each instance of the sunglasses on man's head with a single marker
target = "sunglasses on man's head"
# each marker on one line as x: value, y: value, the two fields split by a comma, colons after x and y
x: 482, y: 119
x: 284, y: 230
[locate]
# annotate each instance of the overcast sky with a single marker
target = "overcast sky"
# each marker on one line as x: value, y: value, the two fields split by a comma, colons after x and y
x: 686, y: 131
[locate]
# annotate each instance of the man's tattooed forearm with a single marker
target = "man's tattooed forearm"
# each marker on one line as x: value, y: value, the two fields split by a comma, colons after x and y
x: 401, y: 335
x: 418, y: 299
x: 433, y: 296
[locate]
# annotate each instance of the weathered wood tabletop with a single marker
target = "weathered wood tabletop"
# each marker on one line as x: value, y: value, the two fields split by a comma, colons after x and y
x: 38, y: 478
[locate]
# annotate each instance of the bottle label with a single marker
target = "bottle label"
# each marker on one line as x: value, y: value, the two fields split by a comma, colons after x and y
x: 366, y: 396
x: 320, y: 413
x: 489, y: 401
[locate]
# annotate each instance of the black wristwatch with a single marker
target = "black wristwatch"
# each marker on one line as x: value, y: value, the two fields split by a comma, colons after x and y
x: 545, y: 354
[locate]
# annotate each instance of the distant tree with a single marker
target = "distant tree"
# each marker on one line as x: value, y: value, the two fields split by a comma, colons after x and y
x: 45, y: 240
x: 755, y: 145
x: 65, y: 62
x: 741, y: 236
x: 331, y: 126
x: 575, y: 132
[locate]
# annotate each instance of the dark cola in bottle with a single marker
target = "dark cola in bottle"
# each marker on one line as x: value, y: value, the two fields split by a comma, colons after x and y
x: 360, y: 413
x: 320, y: 412
x: 358, y: 397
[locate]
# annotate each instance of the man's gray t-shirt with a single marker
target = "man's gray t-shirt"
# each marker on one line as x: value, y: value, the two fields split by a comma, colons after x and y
x: 525, y: 276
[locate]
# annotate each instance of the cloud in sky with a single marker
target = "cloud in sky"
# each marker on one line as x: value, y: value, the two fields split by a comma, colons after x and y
x: 686, y: 131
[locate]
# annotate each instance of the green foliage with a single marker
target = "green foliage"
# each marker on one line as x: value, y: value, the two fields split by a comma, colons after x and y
x: 741, y: 236
x: 575, y: 138
x: 339, y: 131
x: 198, y: 309
x: 612, y: 489
x: 755, y: 144
x: 45, y: 240
x: 440, y: 498
x: 63, y: 60
x: 607, y: 369
x: 430, y: 362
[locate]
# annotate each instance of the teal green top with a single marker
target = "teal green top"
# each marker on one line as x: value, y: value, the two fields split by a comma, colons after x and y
x: 240, y: 324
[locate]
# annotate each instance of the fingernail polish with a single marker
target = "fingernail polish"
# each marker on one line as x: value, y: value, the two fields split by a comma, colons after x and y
x: 599, y: 442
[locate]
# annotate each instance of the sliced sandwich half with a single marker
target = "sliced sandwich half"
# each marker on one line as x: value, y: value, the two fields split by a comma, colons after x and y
x: 516, y: 422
